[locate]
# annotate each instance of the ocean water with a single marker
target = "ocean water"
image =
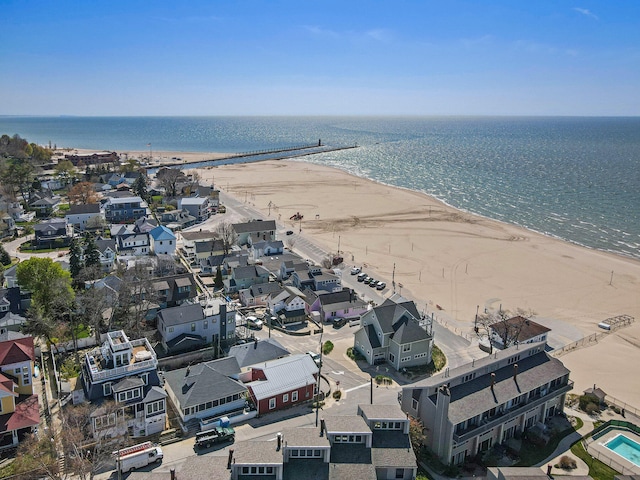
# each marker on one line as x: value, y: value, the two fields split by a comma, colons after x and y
x: 577, y: 179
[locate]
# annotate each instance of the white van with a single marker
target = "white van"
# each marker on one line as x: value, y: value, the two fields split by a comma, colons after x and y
x: 254, y: 322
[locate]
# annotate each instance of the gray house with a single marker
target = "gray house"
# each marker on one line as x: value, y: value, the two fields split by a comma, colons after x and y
x: 471, y: 408
x: 392, y: 333
x: 190, y: 327
x: 255, y: 231
x: 206, y: 390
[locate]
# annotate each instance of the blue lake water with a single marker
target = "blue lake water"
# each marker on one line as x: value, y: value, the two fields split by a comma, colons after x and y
x: 573, y: 178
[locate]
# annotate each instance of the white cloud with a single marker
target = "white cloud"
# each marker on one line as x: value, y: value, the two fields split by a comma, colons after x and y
x: 586, y: 12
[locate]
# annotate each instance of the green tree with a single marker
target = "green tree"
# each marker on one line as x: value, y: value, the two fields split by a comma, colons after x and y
x: 18, y: 174
x: 5, y: 258
x: 65, y: 171
x: 91, y: 252
x: 140, y: 187
x: 75, y: 261
x: 49, y: 284
x: 217, y: 282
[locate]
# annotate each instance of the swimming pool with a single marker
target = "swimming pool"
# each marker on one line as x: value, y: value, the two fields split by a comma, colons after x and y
x: 625, y: 447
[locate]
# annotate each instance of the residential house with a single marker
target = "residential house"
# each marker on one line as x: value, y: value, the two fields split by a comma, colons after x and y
x: 163, y: 241
x: 177, y: 219
x: 281, y: 383
x: 174, y: 290
x: 255, y: 231
x: 209, y: 243
x: 129, y: 241
x: 211, y: 264
x: 469, y: 409
x: 199, y: 207
x: 244, y: 277
x: 315, y: 278
x: 108, y: 252
x: 20, y: 410
x: 332, y: 306
x: 11, y: 311
x: 288, y: 267
x: 288, y: 305
x: 7, y: 225
x: 206, y: 390
x: 16, y: 210
x: 81, y: 216
x: 190, y: 327
x: 125, y: 371
x: 517, y: 330
x: 44, y: 205
x: 53, y: 233
x: 125, y: 209
x: 257, y: 295
x: 393, y: 333
x: 256, y: 352
x: 266, y: 248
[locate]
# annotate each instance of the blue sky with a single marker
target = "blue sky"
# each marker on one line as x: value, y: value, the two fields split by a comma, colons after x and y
x: 422, y: 57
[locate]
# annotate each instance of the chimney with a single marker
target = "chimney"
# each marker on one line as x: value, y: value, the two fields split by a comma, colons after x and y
x: 515, y: 371
x: 173, y: 473
x: 230, y: 458
x: 279, y: 443
x: 323, y: 427
x: 493, y: 380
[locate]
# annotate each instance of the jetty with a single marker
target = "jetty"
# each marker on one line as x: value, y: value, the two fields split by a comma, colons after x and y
x: 257, y: 155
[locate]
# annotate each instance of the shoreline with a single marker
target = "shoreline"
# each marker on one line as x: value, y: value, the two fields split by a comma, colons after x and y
x: 459, y: 260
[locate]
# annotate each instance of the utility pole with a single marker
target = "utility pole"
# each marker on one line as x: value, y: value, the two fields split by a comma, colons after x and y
x: 317, y: 396
x: 393, y: 278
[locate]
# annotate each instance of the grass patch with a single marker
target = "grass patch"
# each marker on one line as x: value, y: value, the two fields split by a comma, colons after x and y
x: 354, y: 354
x: 438, y: 361
x: 597, y: 469
x: 327, y: 347
x: 383, y: 380
x: 531, y: 453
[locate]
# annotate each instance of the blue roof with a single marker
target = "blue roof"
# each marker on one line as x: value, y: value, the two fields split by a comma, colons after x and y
x: 162, y: 233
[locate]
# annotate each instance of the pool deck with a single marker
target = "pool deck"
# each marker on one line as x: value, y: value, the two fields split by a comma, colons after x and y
x: 621, y: 464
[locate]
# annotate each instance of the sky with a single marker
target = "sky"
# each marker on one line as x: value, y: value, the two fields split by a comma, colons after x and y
x: 293, y: 57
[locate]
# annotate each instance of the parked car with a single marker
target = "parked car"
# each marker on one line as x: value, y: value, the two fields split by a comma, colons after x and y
x: 368, y: 280
x: 355, y: 270
x: 373, y: 283
x: 381, y: 286
x: 216, y: 435
x: 289, y: 232
x: 362, y: 276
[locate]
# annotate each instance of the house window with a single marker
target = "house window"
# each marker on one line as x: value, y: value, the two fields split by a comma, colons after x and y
x: 272, y: 403
x: 294, y: 453
x: 26, y: 376
x: 170, y: 329
x: 285, y: 398
x: 399, y: 472
x: 392, y: 357
x: 106, y: 389
x: 206, y: 324
x: 193, y: 327
x: 406, y: 348
x: 294, y: 396
x: 405, y: 359
x: 155, y: 407
x: 414, y: 404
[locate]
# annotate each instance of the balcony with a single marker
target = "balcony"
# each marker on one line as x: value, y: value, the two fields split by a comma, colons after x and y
x: 505, y: 416
x: 143, y: 359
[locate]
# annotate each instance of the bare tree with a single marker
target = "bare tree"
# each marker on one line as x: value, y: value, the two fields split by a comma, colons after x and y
x: 95, y: 307
x: 228, y: 235
x: 504, y: 324
x: 136, y: 297
x: 37, y: 458
x: 169, y: 178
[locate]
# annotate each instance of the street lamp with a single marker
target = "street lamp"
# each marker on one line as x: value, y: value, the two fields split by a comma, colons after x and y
x: 475, y: 324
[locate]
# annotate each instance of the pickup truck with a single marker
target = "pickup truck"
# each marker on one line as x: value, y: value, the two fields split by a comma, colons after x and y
x: 215, y: 435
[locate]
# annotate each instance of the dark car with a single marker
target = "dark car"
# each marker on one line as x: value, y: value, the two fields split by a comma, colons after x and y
x: 289, y: 232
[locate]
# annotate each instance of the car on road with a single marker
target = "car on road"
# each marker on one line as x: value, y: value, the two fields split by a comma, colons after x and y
x: 355, y: 270
x: 362, y: 276
x: 289, y: 232
x: 381, y: 286
x: 254, y: 322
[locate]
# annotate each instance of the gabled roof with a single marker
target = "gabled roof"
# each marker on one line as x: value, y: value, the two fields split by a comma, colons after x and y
x: 255, y: 226
x: 408, y: 330
x: 250, y: 271
x: 390, y: 312
x: 185, y: 342
x: 128, y: 383
x: 284, y: 375
x: 104, y: 244
x: 204, y: 382
x: 26, y: 414
x: 258, y: 351
x: 180, y: 315
x: 194, y: 200
x: 264, y: 288
x: 50, y: 225
x: 528, y: 329
x: 6, y: 386
x: 154, y: 394
x: 162, y: 233
x: 200, y: 235
x: 15, y: 351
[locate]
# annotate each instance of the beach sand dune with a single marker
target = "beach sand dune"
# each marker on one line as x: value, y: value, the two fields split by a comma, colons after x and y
x: 461, y: 262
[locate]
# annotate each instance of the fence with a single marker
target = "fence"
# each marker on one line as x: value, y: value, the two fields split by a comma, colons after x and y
x: 607, y: 460
x: 622, y: 405
x: 583, y: 342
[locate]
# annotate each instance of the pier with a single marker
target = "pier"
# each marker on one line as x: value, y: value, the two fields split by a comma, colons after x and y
x: 257, y: 155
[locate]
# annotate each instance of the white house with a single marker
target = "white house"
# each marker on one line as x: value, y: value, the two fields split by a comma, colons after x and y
x: 80, y: 215
x: 162, y: 240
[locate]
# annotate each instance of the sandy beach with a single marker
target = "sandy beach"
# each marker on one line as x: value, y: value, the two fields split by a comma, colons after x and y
x: 458, y: 261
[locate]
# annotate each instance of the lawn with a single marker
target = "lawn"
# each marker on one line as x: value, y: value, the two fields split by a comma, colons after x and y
x: 597, y: 469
